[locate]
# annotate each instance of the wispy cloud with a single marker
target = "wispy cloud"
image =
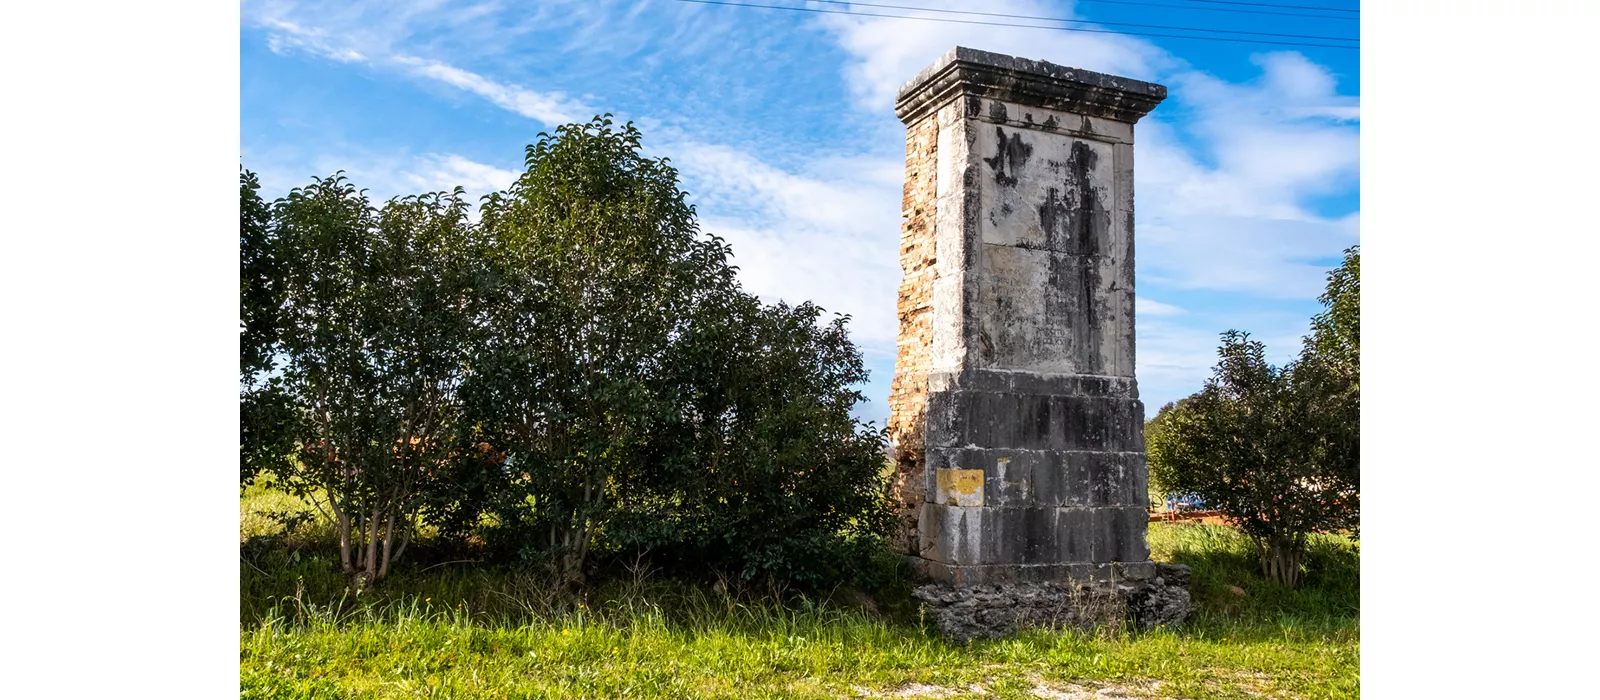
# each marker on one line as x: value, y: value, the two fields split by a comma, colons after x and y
x: 546, y: 107
x: 1150, y: 307
x: 383, y: 175
x: 831, y: 238
x: 288, y: 37
x: 552, y: 107
x: 885, y: 53
x: 1227, y: 187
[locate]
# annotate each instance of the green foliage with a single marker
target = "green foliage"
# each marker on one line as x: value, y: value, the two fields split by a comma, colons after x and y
x: 579, y: 373
x: 1275, y: 448
x: 260, y: 277
x: 1157, y: 431
x: 265, y: 432
x: 643, y: 402
x: 597, y: 270
x: 1330, y: 370
x: 762, y: 470
x: 373, y: 340
x: 1336, y: 332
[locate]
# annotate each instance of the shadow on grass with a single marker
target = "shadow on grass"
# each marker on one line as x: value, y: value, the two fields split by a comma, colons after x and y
x: 289, y: 571
x: 1229, y: 589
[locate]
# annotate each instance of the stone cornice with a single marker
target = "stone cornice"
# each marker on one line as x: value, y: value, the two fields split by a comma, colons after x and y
x: 963, y: 71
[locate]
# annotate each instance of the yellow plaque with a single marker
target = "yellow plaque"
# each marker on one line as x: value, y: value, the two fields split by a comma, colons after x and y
x: 960, y: 487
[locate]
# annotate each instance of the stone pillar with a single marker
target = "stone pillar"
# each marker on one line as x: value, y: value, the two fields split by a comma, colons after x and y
x: 1015, y: 415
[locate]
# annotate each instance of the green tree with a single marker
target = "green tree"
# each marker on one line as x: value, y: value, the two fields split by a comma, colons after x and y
x: 374, y: 339
x: 1330, y: 370
x: 598, y: 266
x: 260, y: 280
x: 1277, y: 449
x: 763, y: 471
x: 265, y: 421
x: 643, y: 402
x: 581, y: 365
x: 1155, y: 430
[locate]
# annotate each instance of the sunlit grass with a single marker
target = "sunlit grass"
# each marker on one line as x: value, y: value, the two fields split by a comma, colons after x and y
x: 469, y: 631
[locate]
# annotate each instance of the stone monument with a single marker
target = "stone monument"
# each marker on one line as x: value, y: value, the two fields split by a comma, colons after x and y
x: 1015, y: 415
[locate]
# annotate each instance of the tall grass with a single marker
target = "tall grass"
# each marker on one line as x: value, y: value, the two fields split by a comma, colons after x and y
x: 1229, y: 590
x: 723, y: 648
x: 445, y: 628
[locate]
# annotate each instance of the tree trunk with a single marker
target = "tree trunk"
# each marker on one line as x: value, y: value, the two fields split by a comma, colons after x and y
x: 371, y: 568
x: 1281, y: 558
x: 388, y: 545
x: 344, y: 538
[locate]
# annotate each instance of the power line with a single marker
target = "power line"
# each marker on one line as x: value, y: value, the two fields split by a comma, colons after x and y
x: 1223, y: 9
x: 1021, y: 26
x: 1268, y: 4
x: 1081, y: 21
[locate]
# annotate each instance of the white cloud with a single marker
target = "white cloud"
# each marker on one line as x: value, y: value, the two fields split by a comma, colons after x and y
x: 435, y: 172
x: 550, y: 108
x: 1223, y: 199
x: 289, y: 37
x: 885, y: 53
x: 1224, y: 194
x: 286, y: 36
x: 383, y: 175
x: 832, y: 238
x: 1151, y: 307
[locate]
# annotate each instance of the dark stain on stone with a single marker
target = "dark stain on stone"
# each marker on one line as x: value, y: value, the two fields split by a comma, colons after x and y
x: 1053, y: 212
x: 1051, y: 124
x: 1087, y: 127
x: 1011, y: 154
x: 997, y: 111
x: 1087, y: 331
x: 1089, y: 228
x: 1073, y: 220
x: 1090, y: 210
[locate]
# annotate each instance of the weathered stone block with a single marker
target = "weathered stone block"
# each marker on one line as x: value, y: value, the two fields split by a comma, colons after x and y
x: 1034, y: 421
x: 993, y: 535
x: 1015, y: 413
x: 1049, y: 478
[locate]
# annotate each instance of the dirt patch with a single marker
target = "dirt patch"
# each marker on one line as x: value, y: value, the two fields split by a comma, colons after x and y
x: 1041, y: 689
x: 911, y: 690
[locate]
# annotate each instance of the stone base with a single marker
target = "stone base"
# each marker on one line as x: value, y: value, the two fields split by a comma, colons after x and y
x: 968, y: 576
x: 1085, y: 604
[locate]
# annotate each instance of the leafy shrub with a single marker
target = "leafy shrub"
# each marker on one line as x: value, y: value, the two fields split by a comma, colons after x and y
x: 576, y: 372
x: 1277, y: 449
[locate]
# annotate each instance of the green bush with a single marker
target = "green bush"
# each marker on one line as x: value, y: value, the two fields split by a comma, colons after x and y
x: 575, y: 373
x: 1277, y: 449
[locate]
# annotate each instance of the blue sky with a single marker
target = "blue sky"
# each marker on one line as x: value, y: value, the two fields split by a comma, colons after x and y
x: 782, y: 124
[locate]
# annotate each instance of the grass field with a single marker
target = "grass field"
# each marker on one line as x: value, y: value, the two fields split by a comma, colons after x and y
x: 453, y: 629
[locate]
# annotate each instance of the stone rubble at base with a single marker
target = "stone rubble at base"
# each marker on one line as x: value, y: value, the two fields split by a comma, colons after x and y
x: 999, y: 610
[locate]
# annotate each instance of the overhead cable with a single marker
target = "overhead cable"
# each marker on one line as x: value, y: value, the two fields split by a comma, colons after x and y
x: 1021, y: 26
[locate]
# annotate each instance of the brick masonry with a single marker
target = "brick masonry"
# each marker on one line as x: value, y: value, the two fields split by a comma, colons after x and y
x: 909, y: 391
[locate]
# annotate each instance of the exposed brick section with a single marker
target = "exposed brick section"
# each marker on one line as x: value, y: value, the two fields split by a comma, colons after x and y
x: 908, y: 394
